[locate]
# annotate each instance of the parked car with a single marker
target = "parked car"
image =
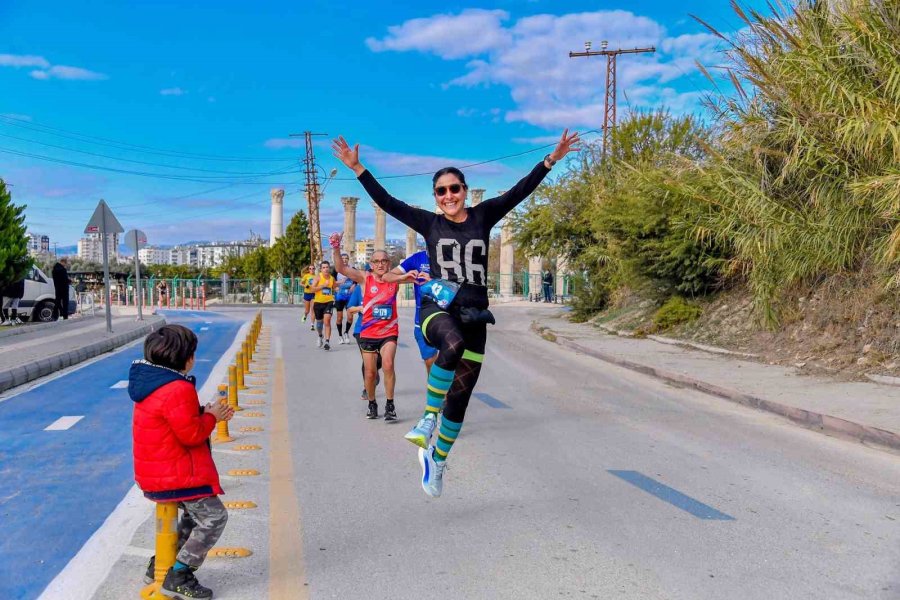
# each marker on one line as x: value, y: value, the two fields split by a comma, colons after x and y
x: 39, y: 303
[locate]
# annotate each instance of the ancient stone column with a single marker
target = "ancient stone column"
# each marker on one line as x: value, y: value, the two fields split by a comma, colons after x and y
x: 534, y: 276
x: 507, y: 253
x: 348, y: 244
x: 562, y: 269
x: 477, y: 196
x: 380, y: 227
x: 276, y: 222
x: 410, y: 241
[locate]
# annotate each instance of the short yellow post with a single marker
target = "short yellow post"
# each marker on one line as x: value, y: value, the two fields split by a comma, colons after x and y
x: 246, y: 355
x: 249, y: 352
x: 233, y: 387
x: 166, y: 547
x: 222, y: 434
x: 239, y: 363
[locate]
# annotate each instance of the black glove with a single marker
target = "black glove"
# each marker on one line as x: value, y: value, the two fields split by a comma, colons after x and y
x: 470, y: 314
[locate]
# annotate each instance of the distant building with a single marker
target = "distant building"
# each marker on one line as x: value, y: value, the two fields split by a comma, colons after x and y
x: 215, y: 254
x: 38, y: 245
x: 187, y: 256
x: 153, y: 255
x: 90, y: 248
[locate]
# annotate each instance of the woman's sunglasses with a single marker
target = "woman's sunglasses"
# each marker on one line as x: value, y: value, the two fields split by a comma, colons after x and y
x: 442, y: 189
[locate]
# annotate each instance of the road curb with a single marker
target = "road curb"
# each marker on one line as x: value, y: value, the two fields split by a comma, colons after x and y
x: 811, y: 420
x: 16, y: 376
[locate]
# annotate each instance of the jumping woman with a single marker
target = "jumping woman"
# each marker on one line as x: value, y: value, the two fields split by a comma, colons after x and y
x: 454, y: 313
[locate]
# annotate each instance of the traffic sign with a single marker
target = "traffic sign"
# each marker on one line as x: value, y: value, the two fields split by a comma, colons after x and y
x: 135, y: 239
x: 95, y: 225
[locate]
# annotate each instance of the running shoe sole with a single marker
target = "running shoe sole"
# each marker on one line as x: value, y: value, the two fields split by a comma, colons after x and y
x: 418, y: 439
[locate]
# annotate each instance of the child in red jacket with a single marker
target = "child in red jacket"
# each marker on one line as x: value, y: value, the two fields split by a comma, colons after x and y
x: 172, y: 457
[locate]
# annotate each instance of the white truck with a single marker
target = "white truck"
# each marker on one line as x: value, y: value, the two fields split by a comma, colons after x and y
x: 39, y: 301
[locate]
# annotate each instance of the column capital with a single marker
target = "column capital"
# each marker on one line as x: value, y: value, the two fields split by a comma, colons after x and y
x: 277, y: 195
x: 349, y: 202
x: 378, y: 209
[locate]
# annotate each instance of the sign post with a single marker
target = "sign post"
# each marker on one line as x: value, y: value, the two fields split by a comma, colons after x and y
x: 104, y: 222
x: 137, y: 239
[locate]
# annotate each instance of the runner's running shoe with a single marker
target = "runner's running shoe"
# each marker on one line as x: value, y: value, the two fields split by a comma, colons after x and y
x: 312, y: 327
x: 373, y: 410
x: 432, y: 472
x: 420, y: 435
x: 319, y: 343
x: 327, y: 345
x: 390, y: 414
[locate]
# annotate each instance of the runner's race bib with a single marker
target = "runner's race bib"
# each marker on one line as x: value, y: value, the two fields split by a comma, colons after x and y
x: 326, y: 291
x: 441, y: 291
x: 383, y: 312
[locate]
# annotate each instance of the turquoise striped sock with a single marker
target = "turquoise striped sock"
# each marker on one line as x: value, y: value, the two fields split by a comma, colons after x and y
x: 439, y: 380
x: 447, y: 434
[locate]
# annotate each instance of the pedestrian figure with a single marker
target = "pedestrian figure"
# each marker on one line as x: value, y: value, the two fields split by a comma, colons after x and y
x: 61, y: 285
x: 10, y: 306
x: 548, y: 285
x: 172, y: 457
x: 162, y: 290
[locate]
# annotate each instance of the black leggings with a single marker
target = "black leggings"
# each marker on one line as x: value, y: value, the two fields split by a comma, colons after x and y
x: 460, y: 349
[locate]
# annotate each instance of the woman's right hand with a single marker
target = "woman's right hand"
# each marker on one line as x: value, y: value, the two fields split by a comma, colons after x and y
x: 347, y: 155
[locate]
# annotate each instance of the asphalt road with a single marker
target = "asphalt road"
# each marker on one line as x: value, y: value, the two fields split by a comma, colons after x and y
x: 574, y: 478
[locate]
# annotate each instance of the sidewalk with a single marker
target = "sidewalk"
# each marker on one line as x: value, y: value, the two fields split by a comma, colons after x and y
x: 28, y: 352
x: 867, y: 412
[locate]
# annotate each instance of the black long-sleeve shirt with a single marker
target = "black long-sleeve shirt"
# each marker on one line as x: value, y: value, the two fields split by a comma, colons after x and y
x: 458, y: 251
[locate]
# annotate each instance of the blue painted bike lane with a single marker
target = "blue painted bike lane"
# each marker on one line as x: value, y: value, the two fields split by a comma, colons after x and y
x: 58, y: 487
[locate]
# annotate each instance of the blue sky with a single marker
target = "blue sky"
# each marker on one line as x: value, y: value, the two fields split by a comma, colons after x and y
x: 204, y: 95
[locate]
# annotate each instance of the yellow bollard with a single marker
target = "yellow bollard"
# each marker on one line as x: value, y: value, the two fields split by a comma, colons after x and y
x: 249, y: 350
x: 233, y: 387
x: 166, y: 547
x: 239, y: 364
x: 246, y: 353
x: 222, y: 434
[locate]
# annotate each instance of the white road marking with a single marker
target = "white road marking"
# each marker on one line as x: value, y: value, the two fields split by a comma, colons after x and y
x: 63, y: 423
x: 120, y: 385
x: 204, y: 329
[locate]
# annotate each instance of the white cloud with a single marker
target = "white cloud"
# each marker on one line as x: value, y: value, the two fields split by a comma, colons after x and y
x: 175, y: 91
x: 17, y: 117
x: 396, y: 163
x: 23, y: 60
x: 531, y: 58
x: 278, y: 143
x: 449, y: 36
x: 69, y: 73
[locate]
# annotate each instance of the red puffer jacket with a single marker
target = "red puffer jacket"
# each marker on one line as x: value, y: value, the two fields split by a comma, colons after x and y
x: 172, y: 456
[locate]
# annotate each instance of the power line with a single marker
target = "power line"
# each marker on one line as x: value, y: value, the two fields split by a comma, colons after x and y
x: 139, y: 162
x: 125, y: 145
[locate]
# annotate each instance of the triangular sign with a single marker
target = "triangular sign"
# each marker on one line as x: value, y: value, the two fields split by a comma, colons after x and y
x: 95, y: 225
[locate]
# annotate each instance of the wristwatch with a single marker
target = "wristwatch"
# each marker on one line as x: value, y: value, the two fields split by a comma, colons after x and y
x: 549, y: 161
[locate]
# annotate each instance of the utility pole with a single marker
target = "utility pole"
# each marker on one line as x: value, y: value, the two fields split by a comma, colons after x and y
x: 609, y: 100
x: 312, y: 197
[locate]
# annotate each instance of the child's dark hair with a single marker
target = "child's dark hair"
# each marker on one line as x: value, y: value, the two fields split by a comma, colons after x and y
x: 451, y: 171
x: 170, y: 346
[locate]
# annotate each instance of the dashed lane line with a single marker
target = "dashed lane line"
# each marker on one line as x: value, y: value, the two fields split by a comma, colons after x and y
x: 63, y: 423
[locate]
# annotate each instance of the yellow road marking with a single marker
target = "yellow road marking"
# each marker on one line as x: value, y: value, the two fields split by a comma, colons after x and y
x: 287, y: 569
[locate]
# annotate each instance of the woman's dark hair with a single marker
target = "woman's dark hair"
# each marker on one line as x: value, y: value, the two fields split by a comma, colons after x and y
x: 450, y: 171
x: 170, y: 346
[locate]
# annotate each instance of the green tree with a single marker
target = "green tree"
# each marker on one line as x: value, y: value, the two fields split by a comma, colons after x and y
x: 290, y: 254
x: 14, y: 259
x: 258, y: 268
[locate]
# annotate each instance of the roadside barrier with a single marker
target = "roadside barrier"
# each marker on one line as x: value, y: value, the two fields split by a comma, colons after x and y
x: 166, y: 548
x: 222, y: 434
x: 233, y: 387
x: 239, y: 364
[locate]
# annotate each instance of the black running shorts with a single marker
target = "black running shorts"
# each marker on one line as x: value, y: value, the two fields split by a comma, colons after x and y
x: 322, y: 308
x: 374, y: 345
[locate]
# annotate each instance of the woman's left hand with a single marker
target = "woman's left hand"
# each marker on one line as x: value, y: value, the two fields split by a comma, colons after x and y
x: 567, y: 143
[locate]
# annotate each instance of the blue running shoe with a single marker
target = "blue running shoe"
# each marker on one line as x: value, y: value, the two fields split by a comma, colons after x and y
x: 432, y: 472
x: 420, y: 435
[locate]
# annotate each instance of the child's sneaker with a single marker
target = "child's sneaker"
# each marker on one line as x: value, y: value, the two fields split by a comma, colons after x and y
x: 150, y: 575
x: 184, y: 585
